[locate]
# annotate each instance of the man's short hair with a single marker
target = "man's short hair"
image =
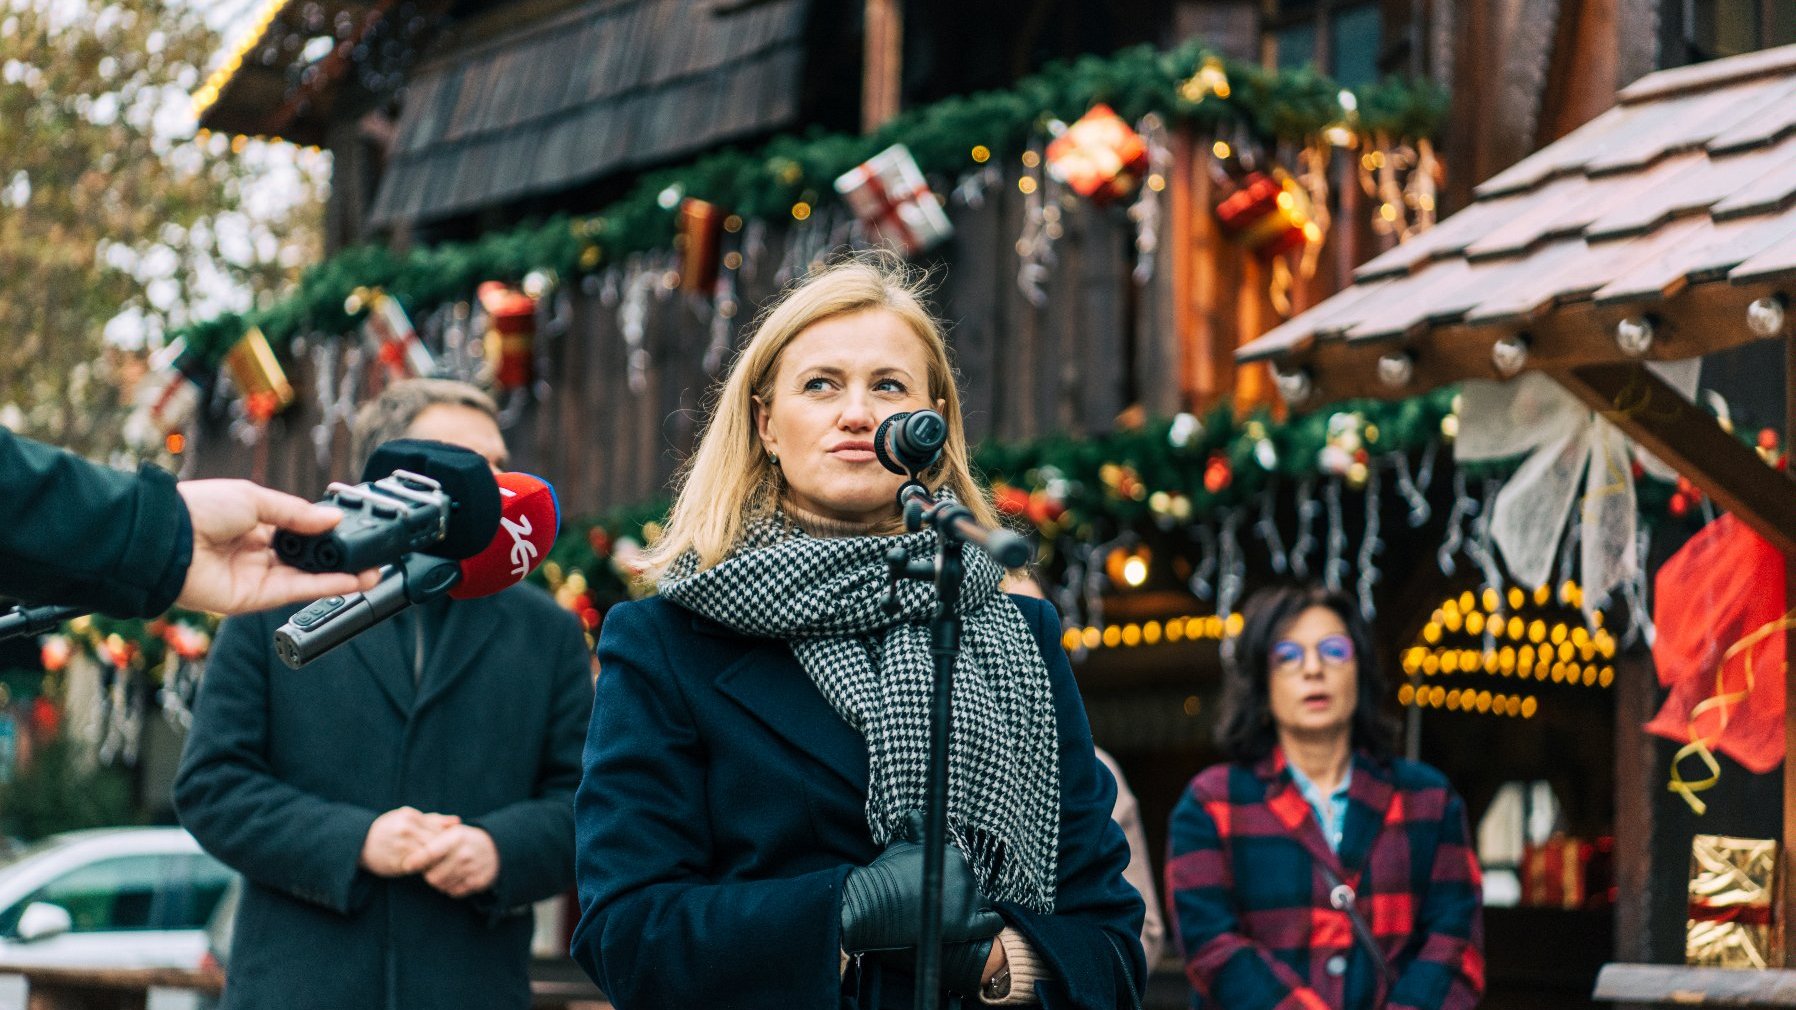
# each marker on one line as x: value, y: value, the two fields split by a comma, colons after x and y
x: 387, y: 416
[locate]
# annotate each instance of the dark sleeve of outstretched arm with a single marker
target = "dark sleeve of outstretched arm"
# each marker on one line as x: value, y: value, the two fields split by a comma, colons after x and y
x: 77, y: 534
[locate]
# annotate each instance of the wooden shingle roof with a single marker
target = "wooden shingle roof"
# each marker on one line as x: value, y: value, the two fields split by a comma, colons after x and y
x: 303, y: 60
x: 610, y: 86
x: 1678, y: 205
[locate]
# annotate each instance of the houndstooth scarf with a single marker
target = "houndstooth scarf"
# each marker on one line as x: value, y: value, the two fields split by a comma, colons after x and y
x: 824, y: 597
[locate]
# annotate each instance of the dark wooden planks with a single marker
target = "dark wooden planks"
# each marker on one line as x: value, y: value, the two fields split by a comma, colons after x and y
x: 601, y: 89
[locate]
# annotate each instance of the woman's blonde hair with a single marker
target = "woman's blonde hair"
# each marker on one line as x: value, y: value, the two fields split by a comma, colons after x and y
x: 729, y: 482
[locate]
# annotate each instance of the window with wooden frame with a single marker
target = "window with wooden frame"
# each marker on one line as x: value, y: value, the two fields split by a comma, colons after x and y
x: 1698, y: 30
x: 1341, y: 38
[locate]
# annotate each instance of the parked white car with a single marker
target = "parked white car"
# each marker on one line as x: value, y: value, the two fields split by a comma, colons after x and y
x: 109, y: 898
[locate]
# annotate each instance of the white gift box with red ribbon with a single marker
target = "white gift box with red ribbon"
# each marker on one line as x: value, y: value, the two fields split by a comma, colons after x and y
x: 894, y: 203
x: 168, y: 397
x: 395, y: 340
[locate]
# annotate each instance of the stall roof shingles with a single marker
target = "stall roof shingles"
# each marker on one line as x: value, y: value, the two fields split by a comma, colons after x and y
x: 1686, y: 180
x: 609, y: 87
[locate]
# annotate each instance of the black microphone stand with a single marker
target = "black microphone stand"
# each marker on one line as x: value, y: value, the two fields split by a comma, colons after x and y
x: 955, y: 526
x: 23, y: 620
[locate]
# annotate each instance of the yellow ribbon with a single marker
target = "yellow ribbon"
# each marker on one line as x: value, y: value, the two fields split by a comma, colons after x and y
x: 1620, y: 482
x: 1700, y: 746
x: 1633, y: 400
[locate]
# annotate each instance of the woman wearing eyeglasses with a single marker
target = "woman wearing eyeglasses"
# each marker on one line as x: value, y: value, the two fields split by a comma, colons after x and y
x: 1313, y: 869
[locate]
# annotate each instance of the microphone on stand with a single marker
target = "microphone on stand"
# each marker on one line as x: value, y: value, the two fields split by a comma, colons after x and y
x: 910, y: 442
x: 528, y: 519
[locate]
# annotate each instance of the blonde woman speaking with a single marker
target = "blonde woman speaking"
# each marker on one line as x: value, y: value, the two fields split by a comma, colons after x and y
x: 746, y: 825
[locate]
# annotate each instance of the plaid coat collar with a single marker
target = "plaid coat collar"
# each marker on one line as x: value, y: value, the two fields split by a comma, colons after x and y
x: 1369, y: 798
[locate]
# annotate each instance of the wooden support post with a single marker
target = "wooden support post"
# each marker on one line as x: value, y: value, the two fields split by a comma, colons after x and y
x: 1638, y: 778
x: 1651, y: 412
x: 1786, y: 879
x: 883, y: 66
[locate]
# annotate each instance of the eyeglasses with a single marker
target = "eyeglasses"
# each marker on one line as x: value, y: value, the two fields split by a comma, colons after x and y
x: 1287, y: 656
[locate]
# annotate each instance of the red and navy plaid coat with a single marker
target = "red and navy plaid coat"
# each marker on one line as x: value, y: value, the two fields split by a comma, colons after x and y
x: 1248, y: 900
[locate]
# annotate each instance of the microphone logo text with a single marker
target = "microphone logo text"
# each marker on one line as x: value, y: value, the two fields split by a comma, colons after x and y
x: 523, y: 552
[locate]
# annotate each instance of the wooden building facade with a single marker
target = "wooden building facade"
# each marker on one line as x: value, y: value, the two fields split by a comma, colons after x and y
x: 459, y: 119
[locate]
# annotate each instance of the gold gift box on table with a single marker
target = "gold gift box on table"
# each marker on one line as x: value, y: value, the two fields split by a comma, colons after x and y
x: 1732, y: 881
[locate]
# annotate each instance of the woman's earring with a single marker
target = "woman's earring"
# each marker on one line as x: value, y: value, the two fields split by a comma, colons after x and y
x: 774, y: 458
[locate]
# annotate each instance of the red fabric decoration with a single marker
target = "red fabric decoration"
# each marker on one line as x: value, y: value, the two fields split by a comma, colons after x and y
x: 1718, y: 589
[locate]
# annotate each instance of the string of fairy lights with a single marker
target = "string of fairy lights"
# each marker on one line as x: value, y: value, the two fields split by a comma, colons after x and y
x: 1510, y: 636
x: 1523, y: 638
x: 1194, y: 628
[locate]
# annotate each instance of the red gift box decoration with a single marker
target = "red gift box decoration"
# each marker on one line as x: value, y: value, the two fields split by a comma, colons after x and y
x: 1269, y: 214
x: 168, y: 397
x: 1554, y: 873
x: 1099, y: 156
x: 890, y: 197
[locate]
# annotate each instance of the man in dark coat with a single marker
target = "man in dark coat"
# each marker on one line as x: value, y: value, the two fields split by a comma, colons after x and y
x: 397, y: 805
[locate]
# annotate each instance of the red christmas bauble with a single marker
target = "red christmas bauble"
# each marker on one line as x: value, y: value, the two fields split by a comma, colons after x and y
x: 1042, y: 509
x: 1217, y: 475
x: 45, y: 716
x: 1012, y: 501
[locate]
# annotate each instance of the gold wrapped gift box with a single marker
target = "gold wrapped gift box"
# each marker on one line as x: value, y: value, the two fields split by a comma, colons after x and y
x: 1732, y: 881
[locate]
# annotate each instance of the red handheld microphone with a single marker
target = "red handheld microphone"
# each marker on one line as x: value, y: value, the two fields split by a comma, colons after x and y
x: 528, y: 518
x: 529, y: 515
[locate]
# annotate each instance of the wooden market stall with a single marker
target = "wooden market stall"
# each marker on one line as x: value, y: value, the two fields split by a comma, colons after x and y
x: 1663, y: 229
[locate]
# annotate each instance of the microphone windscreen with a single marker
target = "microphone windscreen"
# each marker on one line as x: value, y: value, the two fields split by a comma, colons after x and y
x: 529, y: 518
x: 466, y: 478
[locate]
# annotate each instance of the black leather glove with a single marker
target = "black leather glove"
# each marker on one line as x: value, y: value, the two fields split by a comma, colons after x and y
x: 882, y: 902
x: 963, y: 964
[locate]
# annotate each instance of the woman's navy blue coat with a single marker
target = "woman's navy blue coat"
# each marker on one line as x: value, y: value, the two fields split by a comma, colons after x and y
x: 723, y: 804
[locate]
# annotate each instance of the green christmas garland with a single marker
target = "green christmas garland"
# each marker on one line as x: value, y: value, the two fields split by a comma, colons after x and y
x: 1271, y: 107
x: 1169, y: 470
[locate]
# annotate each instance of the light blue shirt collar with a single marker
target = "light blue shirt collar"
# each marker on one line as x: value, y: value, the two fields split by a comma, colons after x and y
x: 1332, y: 815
